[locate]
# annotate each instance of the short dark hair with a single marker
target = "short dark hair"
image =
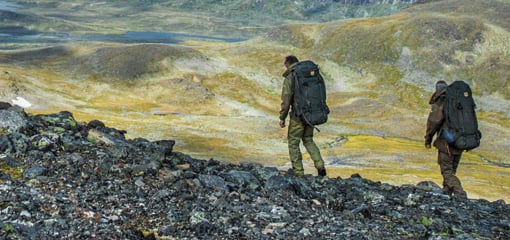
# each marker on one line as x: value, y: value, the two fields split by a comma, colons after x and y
x: 290, y: 60
x: 441, y: 84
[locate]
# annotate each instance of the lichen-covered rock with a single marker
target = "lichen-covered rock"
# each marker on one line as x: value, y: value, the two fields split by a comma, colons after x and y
x: 12, y: 121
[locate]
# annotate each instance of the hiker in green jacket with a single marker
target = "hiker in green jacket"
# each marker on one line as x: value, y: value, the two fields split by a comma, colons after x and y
x: 448, y: 156
x: 297, y: 130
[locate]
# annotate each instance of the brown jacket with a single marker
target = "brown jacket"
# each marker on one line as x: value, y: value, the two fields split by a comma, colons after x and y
x: 436, y: 122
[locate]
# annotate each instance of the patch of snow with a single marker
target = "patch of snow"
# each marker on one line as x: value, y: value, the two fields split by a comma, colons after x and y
x: 21, y: 102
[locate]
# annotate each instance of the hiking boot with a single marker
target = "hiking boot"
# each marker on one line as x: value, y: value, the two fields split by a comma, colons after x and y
x: 460, y: 195
x: 291, y: 172
x: 447, y: 191
x: 321, y: 172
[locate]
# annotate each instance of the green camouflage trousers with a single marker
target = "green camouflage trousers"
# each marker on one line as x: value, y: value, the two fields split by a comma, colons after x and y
x: 297, y: 132
x: 451, y: 183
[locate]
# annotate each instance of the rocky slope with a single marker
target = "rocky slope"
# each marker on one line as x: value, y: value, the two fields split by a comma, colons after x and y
x: 60, y: 178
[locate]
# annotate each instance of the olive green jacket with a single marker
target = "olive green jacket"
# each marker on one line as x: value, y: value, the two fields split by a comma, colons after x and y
x: 287, y: 94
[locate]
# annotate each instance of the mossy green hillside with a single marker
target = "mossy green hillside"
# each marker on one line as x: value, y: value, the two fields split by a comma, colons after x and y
x: 127, y: 63
x: 402, y: 161
x: 495, y: 12
x: 418, y: 45
x: 432, y: 39
x: 242, y: 90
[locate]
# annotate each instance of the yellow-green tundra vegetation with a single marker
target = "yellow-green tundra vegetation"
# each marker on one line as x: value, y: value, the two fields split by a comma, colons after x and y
x: 221, y: 100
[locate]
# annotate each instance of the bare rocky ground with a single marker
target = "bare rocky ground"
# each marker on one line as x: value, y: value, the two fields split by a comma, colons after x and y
x: 60, y: 179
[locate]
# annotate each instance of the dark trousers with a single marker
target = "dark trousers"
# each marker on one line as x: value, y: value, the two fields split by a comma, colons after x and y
x: 448, y: 163
x: 301, y: 132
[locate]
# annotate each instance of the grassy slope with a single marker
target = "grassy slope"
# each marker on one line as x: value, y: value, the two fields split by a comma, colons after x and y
x: 221, y: 99
x: 408, y: 52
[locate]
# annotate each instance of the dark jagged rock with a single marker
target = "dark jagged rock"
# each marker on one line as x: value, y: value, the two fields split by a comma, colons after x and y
x: 5, y: 105
x: 61, y: 179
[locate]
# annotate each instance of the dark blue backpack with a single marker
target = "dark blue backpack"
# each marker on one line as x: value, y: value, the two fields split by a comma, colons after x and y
x: 309, y: 91
x: 460, y: 116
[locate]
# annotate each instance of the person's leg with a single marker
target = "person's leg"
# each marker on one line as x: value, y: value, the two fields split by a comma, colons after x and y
x: 457, y: 190
x: 295, y: 132
x: 451, y: 184
x: 313, y: 150
x: 456, y: 161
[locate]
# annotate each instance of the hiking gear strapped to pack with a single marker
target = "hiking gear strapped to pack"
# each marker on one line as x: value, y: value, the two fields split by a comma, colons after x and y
x: 309, y: 92
x: 460, y: 116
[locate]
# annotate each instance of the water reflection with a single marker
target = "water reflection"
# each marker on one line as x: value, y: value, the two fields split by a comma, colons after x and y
x: 22, y: 35
x: 19, y: 35
x: 154, y: 37
x: 8, y: 6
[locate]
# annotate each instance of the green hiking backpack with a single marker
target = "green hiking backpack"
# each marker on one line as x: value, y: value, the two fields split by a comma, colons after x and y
x: 460, y: 116
x: 309, y: 92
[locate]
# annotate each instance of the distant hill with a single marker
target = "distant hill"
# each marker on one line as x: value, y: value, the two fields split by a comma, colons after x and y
x: 419, y: 41
x: 234, y: 18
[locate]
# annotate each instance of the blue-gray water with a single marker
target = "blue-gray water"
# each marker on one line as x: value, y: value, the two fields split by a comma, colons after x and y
x: 20, y: 35
x: 8, y: 6
x: 154, y: 37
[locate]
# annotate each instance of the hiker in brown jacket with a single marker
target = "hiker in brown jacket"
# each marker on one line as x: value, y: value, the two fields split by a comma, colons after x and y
x: 448, y: 156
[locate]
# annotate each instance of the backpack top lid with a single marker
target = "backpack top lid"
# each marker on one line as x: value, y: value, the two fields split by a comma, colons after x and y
x: 306, y: 68
x: 459, y: 88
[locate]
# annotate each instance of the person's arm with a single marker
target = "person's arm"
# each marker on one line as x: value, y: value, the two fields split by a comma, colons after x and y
x: 434, y: 121
x: 286, y: 100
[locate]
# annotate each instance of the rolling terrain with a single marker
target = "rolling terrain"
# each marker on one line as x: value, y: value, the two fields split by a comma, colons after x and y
x: 220, y: 98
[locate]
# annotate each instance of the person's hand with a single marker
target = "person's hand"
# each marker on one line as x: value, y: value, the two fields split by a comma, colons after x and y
x: 427, y: 145
x: 282, y: 123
